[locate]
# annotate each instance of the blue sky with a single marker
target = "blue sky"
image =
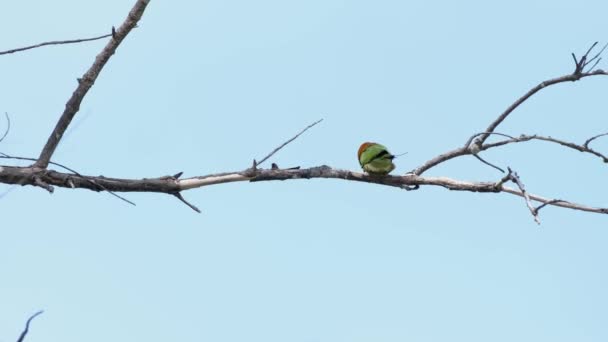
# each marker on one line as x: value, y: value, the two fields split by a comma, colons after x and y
x: 206, y: 86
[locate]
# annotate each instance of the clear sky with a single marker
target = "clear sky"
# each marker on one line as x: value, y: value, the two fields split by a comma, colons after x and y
x: 206, y: 86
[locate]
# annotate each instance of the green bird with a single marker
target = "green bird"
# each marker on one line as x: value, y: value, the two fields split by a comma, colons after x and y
x: 375, y: 159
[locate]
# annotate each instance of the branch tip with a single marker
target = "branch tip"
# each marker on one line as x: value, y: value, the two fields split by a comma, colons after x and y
x: 181, y: 198
x: 287, y: 142
x: 27, y: 325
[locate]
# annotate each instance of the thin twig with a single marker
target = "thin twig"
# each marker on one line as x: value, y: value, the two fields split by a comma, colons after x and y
x: 586, y: 144
x: 27, y: 326
x: 181, y: 198
x: 538, y: 208
x: 8, y: 126
x: 585, y: 60
x: 488, y: 163
x: 523, y: 138
x: 86, y: 82
x: 468, y: 143
x: 285, y: 143
x: 55, y: 42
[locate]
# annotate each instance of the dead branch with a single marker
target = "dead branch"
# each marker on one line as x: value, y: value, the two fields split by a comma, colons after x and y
x: 578, y: 73
x: 172, y: 185
x: 475, y: 142
x: 39, y: 175
x: 86, y: 82
x: 524, y: 137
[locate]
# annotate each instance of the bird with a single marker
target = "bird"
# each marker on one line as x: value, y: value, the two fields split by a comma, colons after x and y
x: 375, y: 159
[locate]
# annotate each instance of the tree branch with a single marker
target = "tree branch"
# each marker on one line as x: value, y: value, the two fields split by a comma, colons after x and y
x: 578, y: 73
x: 86, y: 82
x: 172, y: 185
x: 523, y: 138
x: 39, y: 175
x: 55, y: 42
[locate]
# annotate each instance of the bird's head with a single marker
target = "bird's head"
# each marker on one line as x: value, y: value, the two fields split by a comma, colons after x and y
x: 363, y: 147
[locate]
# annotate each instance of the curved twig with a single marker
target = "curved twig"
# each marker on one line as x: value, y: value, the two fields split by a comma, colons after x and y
x: 588, y: 141
x: 27, y: 326
x: 488, y: 163
x: 8, y: 126
x: 523, y: 138
x: 567, y: 78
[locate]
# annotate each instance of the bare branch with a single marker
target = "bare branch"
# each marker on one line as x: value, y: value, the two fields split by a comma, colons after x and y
x: 568, y: 144
x: 468, y: 149
x: 482, y: 137
x: 256, y: 164
x: 27, y: 326
x: 544, y: 84
x: 170, y: 185
x: 55, y: 42
x: 575, y: 76
x: 86, y: 82
x: 561, y: 203
x: 440, y: 159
